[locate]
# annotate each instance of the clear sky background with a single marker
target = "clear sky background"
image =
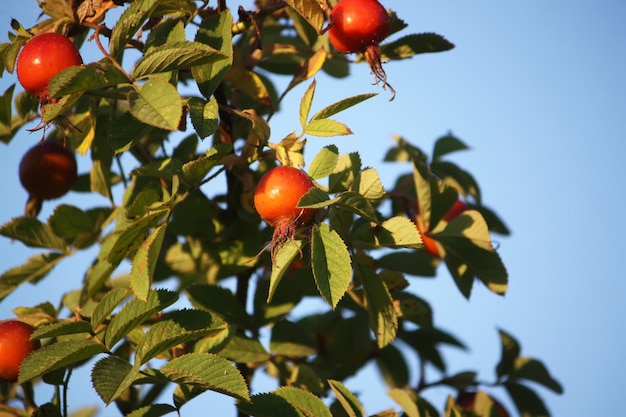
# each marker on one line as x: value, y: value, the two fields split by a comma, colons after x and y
x: 538, y: 91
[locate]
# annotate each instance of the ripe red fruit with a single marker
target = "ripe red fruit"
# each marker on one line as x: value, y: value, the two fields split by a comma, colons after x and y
x: 359, y: 26
x: 47, y: 171
x: 42, y: 58
x: 15, y: 345
x: 276, y: 198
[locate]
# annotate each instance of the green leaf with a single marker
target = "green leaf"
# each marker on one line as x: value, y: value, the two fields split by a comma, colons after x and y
x: 78, y: 79
x: 347, y: 399
x: 136, y: 312
x: 413, y: 308
x: 469, y: 251
x: 399, y: 232
x: 331, y: 264
x: 416, y: 262
x: 382, y: 315
x: 70, y: 221
x: 447, y: 144
x: 414, y: 44
x: 153, y: 410
x: 214, y: 31
x: 242, y: 349
x: 340, y: 106
x: 269, y: 405
x: 175, y: 328
x: 5, y: 106
x: 203, y: 116
x: 534, y: 370
x: 61, y: 329
x: 111, y: 376
x: 57, y: 355
x: 324, y: 162
x: 393, y: 367
x: 357, y: 204
x: 107, y: 304
x: 305, y: 104
x: 174, y: 56
x: 220, y: 301
x: 157, y: 104
x: 284, y: 255
x: 326, y: 128
x: 310, y: 11
x: 129, y: 23
x: 34, y: 269
x: 205, y: 371
x: 404, y: 400
x: 131, y: 237
x: 54, y: 109
x: 289, y: 339
x: 33, y: 233
x: 510, y: 352
x: 527, y: 402
x: 316, y: 198
x: 346, y: 170
x: 304, y: 401
x: 368, y: 184
x: 145, y: 261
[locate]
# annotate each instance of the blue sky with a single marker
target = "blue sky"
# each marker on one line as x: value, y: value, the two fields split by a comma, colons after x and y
x: 537, y: 90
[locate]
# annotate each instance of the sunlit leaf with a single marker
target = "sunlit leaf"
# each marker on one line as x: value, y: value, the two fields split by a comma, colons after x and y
x: 135, y: 312
x: 350, y: 403
x: 205, y: 371
x: 214, y: 31
x: 175, y: 56
x: 145, y: 261
x: 33, y: 233
x: 404, y: 400
x: 129, y: 23
x: 331, y: 263
x: 157, y: 104
x: 324, y: 162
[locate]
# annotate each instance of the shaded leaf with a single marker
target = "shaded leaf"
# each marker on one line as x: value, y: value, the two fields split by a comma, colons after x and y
x: 57, y: 355
x: 33, y: 233
x: 61, y: 328
x: 242, y: 349
x: 111, y: 376
x: 414, y: 44
x: 203, y: 116
x: 382, y: 314
x: 34, y: 269
x: 153, y: 410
